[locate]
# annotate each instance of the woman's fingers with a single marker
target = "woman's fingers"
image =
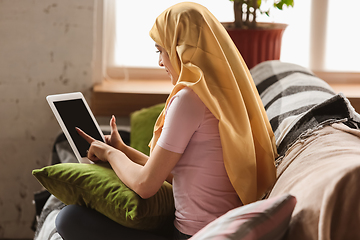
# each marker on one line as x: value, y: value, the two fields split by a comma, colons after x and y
x: 84, y: 135
x: 113, y: 125
x: 115, y: 138
x: 91, y: 152
x: 97, y: 151
x: 92, y: 157
x: 107, y: 139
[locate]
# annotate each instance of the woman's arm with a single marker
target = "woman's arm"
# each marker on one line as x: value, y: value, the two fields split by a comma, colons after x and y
x: 144, y: 180
x: 141, y: 173
x: 134, y: 155
x: 141, y: 158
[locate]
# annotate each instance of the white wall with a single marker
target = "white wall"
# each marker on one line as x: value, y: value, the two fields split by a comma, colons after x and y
x: 46, y: 47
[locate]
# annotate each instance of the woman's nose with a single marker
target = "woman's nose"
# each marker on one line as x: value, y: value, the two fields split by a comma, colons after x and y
x: 160, y: 62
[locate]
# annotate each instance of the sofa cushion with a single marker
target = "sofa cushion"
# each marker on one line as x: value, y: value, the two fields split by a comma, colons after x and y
x: 142, y: 126
x: 266, y: 219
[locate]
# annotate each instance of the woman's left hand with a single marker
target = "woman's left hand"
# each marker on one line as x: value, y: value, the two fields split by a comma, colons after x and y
x: 98, y: 150
x: 114, y: 139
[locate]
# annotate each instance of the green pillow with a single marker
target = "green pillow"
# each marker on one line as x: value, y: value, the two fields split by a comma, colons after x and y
x: 142, y: 126
x: 98, y: 187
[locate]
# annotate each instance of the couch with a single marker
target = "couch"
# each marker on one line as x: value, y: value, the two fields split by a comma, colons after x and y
x: 318, y: 140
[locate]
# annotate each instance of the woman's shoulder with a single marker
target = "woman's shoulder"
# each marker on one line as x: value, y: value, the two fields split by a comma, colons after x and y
x: 186, y: 98
x: 188, y: 94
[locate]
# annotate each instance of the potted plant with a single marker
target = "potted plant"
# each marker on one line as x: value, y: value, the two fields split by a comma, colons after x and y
x: 256, y: 41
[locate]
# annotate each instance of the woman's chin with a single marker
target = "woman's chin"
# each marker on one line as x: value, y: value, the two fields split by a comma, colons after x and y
x: 172, y: 79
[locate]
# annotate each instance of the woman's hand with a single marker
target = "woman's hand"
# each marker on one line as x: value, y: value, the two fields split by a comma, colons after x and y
x: 114, y: 139
x: 98, y: 151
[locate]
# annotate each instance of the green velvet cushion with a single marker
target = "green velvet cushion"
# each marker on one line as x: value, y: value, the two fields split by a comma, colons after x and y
x: 97, y: 186
x: 142, y: 126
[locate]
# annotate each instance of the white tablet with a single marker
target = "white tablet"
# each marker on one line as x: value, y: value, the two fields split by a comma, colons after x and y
x: 71, y: 110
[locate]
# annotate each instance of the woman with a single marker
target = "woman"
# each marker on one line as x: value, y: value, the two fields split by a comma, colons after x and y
x: 213, y: 140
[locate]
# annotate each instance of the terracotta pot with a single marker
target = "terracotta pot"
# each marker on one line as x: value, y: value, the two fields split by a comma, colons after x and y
x: 260, y: 44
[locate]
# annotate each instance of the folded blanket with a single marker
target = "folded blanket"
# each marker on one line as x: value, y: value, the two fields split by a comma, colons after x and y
x: 287, y: 92
x: 295, y: 100
x: 335, y: 109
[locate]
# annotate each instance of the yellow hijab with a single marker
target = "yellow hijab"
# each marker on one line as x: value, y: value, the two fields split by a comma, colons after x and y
x: 209, y: 63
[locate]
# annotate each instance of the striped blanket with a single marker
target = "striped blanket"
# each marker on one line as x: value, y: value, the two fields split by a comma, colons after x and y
x: 318, y: 138
x: 296, y: 100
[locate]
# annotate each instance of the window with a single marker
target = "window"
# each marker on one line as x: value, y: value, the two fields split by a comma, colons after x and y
x: 342, y: 38
x: 129, y: 44
x: 134, y: 19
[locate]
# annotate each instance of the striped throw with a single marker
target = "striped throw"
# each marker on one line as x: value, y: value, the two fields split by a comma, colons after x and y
x: 288, y: 91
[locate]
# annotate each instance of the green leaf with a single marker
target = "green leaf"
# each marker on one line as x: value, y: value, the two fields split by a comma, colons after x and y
x: 289, y: 3
x: 280, y: 4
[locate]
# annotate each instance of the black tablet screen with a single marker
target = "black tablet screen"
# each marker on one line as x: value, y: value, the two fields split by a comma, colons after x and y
x: 74, y: 114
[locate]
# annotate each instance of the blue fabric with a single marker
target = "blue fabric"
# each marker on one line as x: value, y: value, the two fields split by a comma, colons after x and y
x: 77, y: 222
x: 180, y: 236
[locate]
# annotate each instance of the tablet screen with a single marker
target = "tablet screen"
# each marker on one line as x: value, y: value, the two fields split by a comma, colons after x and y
x: 75, y: 114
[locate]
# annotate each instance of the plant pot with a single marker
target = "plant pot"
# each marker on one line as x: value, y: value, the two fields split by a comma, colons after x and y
x: 258, y: 45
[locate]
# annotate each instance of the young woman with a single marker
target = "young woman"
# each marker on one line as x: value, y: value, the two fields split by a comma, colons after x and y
x: 213, y: 140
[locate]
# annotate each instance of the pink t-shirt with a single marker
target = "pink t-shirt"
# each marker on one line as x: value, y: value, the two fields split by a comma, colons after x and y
x: 202, y: 189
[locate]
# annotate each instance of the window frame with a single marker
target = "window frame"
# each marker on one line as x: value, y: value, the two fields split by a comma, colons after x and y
x: 143, y: 87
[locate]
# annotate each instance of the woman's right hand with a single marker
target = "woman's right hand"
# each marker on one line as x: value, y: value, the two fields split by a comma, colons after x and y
x: 115, y: 139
